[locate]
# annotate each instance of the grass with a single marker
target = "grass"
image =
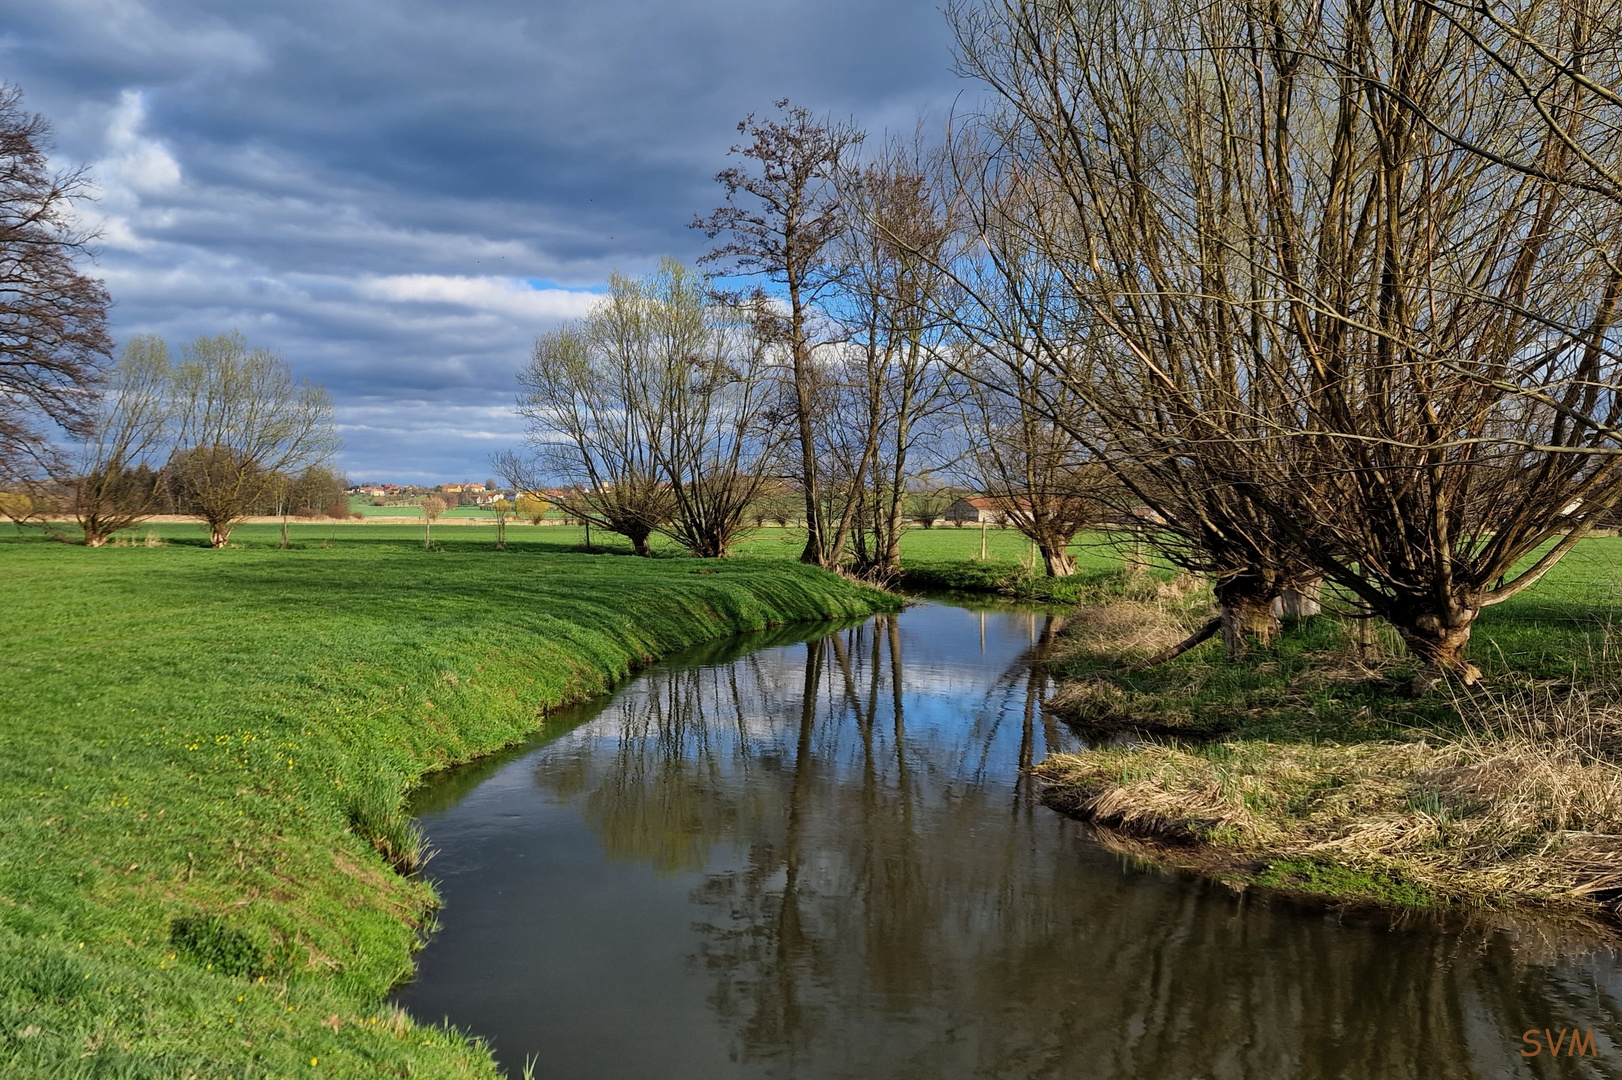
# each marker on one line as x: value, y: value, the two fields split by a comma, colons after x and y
x: 203, y: 756
x: 1308, y: 767
x: 947, y: 557
x: 1524, y: 807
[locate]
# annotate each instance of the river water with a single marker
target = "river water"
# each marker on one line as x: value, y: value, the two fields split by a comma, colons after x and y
x: 817, y: 857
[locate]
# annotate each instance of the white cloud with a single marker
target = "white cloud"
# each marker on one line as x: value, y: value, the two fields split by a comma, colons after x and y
x: 141, y: 162
x: 134, y: 168
x: 506, y: 296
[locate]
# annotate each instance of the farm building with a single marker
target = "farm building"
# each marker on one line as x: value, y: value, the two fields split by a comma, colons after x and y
x: 980, y: 509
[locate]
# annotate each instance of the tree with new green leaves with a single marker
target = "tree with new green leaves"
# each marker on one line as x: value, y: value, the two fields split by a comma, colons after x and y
x: 585, y: 407
x: 533, y: 507
x: 244, y: 421
x: 502, y: 509
x: 653, y: 410
x: 710, y: 383
x: 432, y: 507
x: 115, y: 483
x: 19, y: 508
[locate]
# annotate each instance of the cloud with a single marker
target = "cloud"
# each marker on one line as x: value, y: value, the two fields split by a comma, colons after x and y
x: 133, y: 165
x: 503, y: 296
x: 374, y: 190
x: 141, y: 163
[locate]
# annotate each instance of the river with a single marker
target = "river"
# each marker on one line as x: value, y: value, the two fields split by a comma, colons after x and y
x: 812, y: 853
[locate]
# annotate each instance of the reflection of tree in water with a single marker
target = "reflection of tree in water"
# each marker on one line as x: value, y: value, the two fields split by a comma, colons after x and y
x: 661, y: 785
x: 883, y: 913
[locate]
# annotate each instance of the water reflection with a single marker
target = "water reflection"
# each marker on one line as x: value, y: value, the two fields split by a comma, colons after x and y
x: 820, y: 859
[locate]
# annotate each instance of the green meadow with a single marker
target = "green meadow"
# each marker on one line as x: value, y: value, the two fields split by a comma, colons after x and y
x: 941, y: 558
x: 203, y: 758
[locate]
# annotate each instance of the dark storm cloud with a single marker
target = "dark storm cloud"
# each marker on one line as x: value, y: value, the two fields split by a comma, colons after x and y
x: 373, y: 188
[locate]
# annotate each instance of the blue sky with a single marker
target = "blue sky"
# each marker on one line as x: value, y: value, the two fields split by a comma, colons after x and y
x: 398, y: 195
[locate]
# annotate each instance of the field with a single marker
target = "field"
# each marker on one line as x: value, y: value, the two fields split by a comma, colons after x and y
x: 942, y: 549
x: 203, y: 756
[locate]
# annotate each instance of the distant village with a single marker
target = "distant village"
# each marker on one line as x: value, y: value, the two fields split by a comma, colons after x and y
x: 956, y: 507
x: 467, y: 493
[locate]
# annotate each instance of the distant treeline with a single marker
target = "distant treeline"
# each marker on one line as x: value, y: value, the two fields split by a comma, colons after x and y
x: 315, y: 492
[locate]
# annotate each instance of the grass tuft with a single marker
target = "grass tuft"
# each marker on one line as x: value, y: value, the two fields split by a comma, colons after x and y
x: 206, y: 940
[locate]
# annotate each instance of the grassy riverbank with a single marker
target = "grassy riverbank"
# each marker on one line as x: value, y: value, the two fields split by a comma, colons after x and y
x: 1307, y: 766
x: 202, y: 760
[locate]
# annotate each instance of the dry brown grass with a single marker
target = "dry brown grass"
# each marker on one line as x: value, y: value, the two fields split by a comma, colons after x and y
x: 1125, y: 629
x: 1115, y: 634
x: 1524, y: 806
x: 1106, y: 684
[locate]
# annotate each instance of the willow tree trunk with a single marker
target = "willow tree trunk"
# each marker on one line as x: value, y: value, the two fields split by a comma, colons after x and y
x: 219, y: 534
x: 1439, y: 639
x: 1367, y: 636
x: 889, y: 558
x: 1301, y: 601
x: 1133, y: 559
x: 1056, y: 560
x: 1247, y: 601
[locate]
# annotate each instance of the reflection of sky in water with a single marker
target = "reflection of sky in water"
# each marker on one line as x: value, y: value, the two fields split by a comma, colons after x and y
x: 755, y: 864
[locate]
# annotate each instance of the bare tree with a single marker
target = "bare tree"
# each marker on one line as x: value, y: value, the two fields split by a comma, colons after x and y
x: 892, y: 290
x: 585, y: 398
x: 710, y: 374
x: 243, y: 421
x: 53, y: 336
x: 926, y: 504
x: 318, y: 490
x: 115, y: 483
x: 432, y: 507
x: 1356, y: 269
x: 779, y: 219
x: 1023, y: 310
x: 503, y: 510
x: 1022, y: 454
x: 315, y: 492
